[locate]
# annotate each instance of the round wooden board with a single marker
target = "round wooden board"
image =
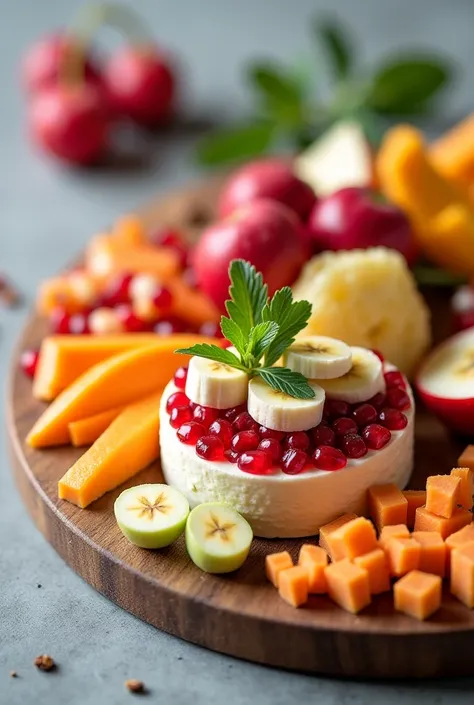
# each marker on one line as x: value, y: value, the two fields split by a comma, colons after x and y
x: 240, y: 614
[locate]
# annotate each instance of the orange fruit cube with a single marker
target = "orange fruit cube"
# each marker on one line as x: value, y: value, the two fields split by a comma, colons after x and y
x: 432, y: 553
x: 465, y: 489
x: 275, y: 563
x: 442, y: 495
x: 387, y: 505
x: 348, y: 585
x: 403, y: 555
x: 354, y: 538
x: 314, y: 559
x: 293, y: 585
x: 376, y: 565
x: 462, y: 574
x: 415, y: 499
x: 427, y: 521
x: 328, y: 529
x: 398, y: 531
x: 418, y: 594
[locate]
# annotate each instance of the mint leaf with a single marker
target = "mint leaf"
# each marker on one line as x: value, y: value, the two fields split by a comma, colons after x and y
x: 236, y: 144
x: 248, y: 295
x: 291, y: 316
x: 404, y: 85
x: 212, y: 352
x: 234, y: 334
x: 273, y: 84
x: 287, y: 381
x: 337, y: 46
x: 260, y: 338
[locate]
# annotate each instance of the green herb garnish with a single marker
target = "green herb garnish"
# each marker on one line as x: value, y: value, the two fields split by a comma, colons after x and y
x: 260, y: 330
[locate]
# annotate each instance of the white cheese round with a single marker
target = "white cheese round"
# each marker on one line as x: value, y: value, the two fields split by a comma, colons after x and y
x: 280, y: 505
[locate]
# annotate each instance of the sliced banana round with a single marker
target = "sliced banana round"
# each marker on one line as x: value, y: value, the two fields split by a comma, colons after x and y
x: 319, y: 357
x: 211, y: 383
x: 363, y: 381
x: 217, y: 538
x: 280, y: 412
x: 151, y: 516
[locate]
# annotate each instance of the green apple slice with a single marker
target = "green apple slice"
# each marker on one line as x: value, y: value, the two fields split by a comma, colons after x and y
x: 151, y: 516
x: 217, y: 538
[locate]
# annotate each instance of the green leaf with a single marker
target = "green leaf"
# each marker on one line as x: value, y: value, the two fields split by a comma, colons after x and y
x: 234, y: 334
x: 248, y: 295
x: 260, y: 338
x: 404, y: 85
x: 273, y: 84
x: 291, y: 316
x: 337, y: 46
x: 236, y: 144
x: 287, y: 381
x: 212, y: 352
x: 432, y: 276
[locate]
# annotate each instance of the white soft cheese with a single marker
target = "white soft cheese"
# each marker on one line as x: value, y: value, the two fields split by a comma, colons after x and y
x: 280, y: 505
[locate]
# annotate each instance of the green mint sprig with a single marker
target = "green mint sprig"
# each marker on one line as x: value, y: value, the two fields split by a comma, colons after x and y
x: 260, y: 331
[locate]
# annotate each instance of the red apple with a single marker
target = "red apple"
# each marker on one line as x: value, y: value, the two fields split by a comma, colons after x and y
x: 264, y: 232
x: 269, y: 178
x: 358, y: 218
x: 445, y: 382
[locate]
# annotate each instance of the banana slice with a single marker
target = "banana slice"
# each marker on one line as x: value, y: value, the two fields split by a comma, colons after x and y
x: 319, y: 357
x: 215, y: 384
x: 363, y: 381
x: 280, y: 412
x: 151, y: 516
x: 217, y: 538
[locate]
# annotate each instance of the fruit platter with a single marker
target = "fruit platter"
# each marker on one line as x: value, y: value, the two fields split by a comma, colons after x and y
x: 253, y: 432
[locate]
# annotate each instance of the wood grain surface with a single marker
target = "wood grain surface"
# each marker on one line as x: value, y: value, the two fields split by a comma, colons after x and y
x: 240, y: 614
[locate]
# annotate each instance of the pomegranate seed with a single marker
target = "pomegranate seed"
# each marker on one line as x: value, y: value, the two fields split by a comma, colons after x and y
x: 394, y: 378
x: 180, y: 377
x: 232, y: 413
x: 130, y: 320
x: 353, y: 446
x: 299, y: 440
x: 270, y: 433
x: 379, y: 355
x: 223, y: 430
x: 170, y: 326
x: 211, y: 329
x: 245, y: 440
x: 244, y: 422
x: 190, y: 432
x: 176, y: 399
x: 344, y: 425
x: 232, y: 456
x: 323, y: 436
x: 78, y: 324
x: 29, y: 361
x: 364, y: 414
x: 210, y: 448
x: 293, y: 461
x: 378, y: 401
x: 272, y: 447
x: 118, y: 291
x: 398, y: 399
x: 172, y: 239
x: 59, y: 321
x: 326, y: 457
x: 334, y: 408
x: 376, y: 436
x: 205, y: 415
x: 393, y: 419
x: 256, y: 462
x: 180, y: 415
x: 163, y: 299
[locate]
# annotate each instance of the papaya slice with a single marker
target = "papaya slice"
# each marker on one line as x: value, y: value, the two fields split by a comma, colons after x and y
x: 106, y: 257
x: 86, y: 431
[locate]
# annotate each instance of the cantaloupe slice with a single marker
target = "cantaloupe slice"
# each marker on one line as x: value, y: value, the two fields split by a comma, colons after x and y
x: 387, y: 505
x: 127, y: 446
x: 275, y: 563
x: 427, y: 521
x: 403, y: 555
x: 354, y: 538
x: 462, y: 574
x: 326, y: 531
x: 348, y: 585
x: 376, y: 565
x: 442, y: 494
x: 314, y: 560
x: 191, y: 304
x: 398, y: 531
x: 118, y: 381
x: 432, y: 552
x: 63, y: 358
x: 465, y: 489
x: 293, y: 586
x: 418, y: 594
x: 85, y: 431
x: 415, y: 499
x: 106, y: 257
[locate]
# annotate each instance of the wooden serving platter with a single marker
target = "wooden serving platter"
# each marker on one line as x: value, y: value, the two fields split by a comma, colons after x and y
x: 239, y: 614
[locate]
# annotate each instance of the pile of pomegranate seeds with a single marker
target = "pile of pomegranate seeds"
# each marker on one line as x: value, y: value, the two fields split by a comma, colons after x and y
x: 347, y: 431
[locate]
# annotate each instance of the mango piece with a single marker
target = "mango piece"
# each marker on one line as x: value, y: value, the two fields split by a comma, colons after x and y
x: 403, y: 555
x: 354, y: 538
x: 462, y: 574
x: 85, y: 431
x: 348, y: 585
x: 376, y: 565
x: 275, y: 563
x: 442, y: 494
x: 106, y: 256
x: 293, y: 586
x: 415, y: 499
x: 387, y: 505
x: 314, y: 559
x: 129, y: 231
x: 432, y: 552
x: 453, y: 153
x: 456, y: 540
x: 466, y: 459
x: 465, y: 489
x: 127, y: 446
x: 399, y: 531
x: 426, y: 521
x: 327, y: 530
x: 418, y: 594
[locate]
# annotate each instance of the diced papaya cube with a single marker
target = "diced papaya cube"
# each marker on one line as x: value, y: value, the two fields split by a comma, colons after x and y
x: 466, y: 459
x: 348, y: 585
x: 403, y: 555
x: 275, y: 563
x: 293, y: 585
x: 462, y: 574
x: 456, y: 540
x: 328, y: 529
x: 399, y: 531
x: 465, y: 489
x: 432, y: 553
x: 426, y: 521
x: 387, y: 505
x: 442, y: 494
x: 418, y: 594
x: 375, y: 563
x: 415, y: 499
x: 354, y: 538
x: 314, y: 559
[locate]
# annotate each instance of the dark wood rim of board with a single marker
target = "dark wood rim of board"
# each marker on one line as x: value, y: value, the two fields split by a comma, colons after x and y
x: 240, y: 615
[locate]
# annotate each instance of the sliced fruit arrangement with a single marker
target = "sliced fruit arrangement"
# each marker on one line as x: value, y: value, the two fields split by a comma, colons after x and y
x: 232, y: 420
